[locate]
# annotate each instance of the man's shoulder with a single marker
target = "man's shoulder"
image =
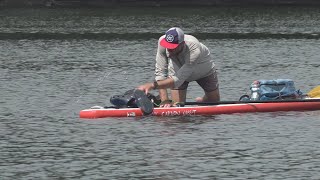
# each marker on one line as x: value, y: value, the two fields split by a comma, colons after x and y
x: 161, y: 37
x: 161, y: 49
x: 190, y: 39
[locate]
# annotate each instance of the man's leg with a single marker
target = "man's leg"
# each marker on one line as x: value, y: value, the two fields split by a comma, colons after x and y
x: 212, y: 96
x: 210, y: 86
x: 178, y: 95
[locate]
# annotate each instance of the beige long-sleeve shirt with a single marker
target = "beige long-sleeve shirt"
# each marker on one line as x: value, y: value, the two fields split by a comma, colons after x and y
x: 192, y: 63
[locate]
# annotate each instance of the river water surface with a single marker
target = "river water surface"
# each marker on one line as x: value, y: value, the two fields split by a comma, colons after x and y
x: 55, y: 62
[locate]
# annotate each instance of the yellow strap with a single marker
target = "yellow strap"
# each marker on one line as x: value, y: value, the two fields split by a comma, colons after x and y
x: 314, y: 93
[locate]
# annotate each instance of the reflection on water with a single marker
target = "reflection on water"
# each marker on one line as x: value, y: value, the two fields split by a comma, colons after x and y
x: 55, y: 62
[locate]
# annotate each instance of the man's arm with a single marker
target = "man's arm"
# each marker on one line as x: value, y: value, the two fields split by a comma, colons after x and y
x: 161, y: 85
x: 163, y: 93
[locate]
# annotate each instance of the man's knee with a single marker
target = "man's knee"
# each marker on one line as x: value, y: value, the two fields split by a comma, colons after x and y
x: 212, y: 96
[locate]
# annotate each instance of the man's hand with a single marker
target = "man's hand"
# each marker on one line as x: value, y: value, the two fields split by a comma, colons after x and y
x: 166, y: 103
x: 146, y: 87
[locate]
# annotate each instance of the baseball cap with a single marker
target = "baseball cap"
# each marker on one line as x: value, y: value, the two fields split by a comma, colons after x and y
x: 173, y: 37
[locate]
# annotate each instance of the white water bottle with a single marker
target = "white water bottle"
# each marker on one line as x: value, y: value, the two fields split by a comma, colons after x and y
x: 255, y: 91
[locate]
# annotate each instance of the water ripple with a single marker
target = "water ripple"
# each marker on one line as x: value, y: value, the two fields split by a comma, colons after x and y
x: 148, y: 36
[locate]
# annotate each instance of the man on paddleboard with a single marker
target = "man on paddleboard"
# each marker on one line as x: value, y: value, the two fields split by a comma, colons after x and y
x: 180, y: 59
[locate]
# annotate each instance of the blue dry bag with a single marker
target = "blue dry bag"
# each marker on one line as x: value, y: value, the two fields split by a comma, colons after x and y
x: 273, y: 90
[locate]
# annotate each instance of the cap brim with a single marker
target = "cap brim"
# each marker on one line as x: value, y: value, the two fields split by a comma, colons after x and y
x: 167, y: 45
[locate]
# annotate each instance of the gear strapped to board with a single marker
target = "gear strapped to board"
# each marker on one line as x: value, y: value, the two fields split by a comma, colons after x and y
x: 128, y: 99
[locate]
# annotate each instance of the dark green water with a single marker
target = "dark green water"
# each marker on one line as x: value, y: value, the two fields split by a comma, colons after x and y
x: 55, y: 62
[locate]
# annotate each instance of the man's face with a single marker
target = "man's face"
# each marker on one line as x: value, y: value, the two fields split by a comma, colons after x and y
x: 177, y: 50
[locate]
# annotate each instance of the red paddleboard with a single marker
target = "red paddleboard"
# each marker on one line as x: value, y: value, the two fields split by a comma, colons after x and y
x: 100, y: 112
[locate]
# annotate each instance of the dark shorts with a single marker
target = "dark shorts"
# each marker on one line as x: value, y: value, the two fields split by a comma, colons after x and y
x: 208, y: 84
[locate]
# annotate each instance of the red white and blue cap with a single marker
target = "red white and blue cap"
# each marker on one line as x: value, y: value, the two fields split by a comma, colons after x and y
x: 173, y: 37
